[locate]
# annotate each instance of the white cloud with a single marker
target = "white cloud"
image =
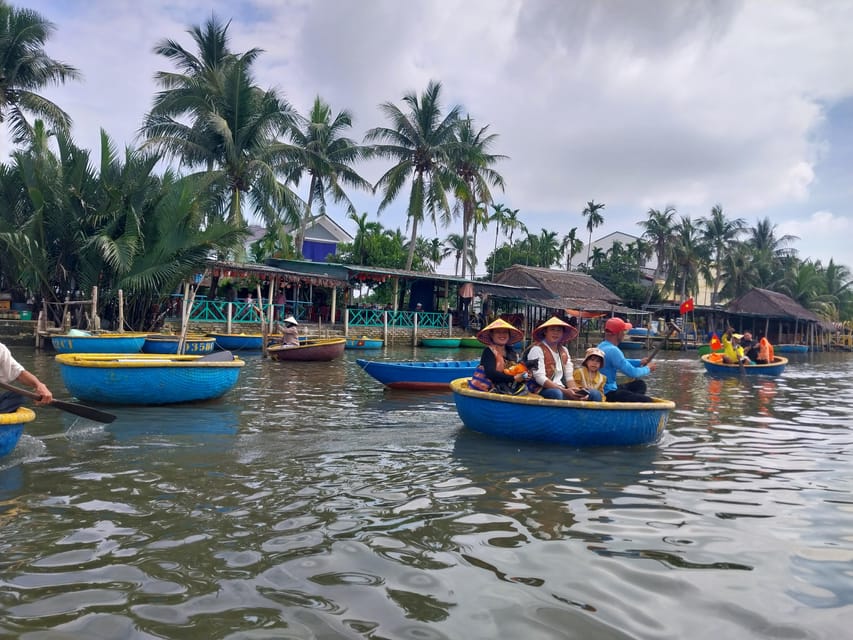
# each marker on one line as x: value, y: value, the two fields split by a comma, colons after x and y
x: 636, y: 105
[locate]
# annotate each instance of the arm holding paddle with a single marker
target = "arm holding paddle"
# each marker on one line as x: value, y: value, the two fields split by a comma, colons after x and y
x: 11, y: 370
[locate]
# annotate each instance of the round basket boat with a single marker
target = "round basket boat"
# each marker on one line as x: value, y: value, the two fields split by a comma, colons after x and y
x: 12, y: 426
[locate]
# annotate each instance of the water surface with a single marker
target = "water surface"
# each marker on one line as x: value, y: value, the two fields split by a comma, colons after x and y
x: 310, y: 502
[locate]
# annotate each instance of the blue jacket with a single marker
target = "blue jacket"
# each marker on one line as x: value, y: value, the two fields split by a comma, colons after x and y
x: 615, y: 360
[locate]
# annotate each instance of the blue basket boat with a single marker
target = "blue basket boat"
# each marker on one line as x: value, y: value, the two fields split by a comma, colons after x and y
x: 441, y: 343
x: 566, y: 422
x: 365, y: 343
x: 98, y: 343
x: 238, y: 341
x: 11, y: 428
x: 148, y: 379
x: 774, y: 368
x: 791, y: 348
x: 418, y: 375
x: 193, y: 345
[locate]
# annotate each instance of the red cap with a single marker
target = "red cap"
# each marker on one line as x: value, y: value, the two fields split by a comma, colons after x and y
x: 615, y: 325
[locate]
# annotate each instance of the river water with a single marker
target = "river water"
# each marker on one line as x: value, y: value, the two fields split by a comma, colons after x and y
x: 311, y: 502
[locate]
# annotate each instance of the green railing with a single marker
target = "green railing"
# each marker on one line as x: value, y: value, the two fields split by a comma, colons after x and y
x: 397, y: 319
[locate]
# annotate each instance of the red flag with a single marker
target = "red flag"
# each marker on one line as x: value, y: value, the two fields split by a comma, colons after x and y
x: 686, y: 306
x: 715, y: 343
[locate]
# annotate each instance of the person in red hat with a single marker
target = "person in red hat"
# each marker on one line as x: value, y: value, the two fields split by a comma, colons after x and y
x: 615, y: 361
x: 550, y: 364
x: 495, y: 370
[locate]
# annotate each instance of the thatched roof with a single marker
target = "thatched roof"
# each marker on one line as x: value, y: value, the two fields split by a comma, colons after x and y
x: 770, y: 304
x: 555, y: 289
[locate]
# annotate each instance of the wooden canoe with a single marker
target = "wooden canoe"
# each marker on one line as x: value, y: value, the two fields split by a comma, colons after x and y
x: 315, y: 349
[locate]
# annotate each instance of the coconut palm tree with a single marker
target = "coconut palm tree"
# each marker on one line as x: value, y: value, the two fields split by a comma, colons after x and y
x: 571, y: 246
x: 593, y: 220
x: 327, y: 156
x: 461, y: 247
x: 471, y: 161
x: 420, y: 142
x: 25, y: 69
x: 690, y: 254
x: 657, y: 229
x: 213, y: 115
x: 513, y: 223
x: 720, y: 232
x: 768, y: 250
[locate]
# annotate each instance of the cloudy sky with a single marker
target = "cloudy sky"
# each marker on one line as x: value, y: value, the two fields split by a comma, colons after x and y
x: 633, y: 104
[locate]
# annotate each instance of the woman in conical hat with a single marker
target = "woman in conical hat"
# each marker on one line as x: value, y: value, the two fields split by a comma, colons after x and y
x: 549, y: 362
x: 569, y: 332
x: 289, y: 332
x: 495, y: 370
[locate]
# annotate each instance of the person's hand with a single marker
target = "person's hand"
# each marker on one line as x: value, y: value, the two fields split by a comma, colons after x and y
x: 574, y: 394
x: 652, y: 365
x: 44, y: 392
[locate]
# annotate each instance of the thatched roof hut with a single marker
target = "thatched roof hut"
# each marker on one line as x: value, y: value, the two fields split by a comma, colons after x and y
x: 556, y: 289
x: 776, y: 315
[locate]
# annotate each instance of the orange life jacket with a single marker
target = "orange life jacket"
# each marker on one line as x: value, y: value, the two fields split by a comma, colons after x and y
x: 479, y: 380
x: 550, y: 365
x: 765, y: 350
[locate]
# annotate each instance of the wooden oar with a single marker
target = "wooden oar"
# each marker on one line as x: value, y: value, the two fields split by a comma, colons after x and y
x: 673, y: 329
x: 71, y: 407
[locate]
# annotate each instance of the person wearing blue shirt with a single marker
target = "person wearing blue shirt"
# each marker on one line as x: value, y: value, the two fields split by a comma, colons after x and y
x: 615, y: 361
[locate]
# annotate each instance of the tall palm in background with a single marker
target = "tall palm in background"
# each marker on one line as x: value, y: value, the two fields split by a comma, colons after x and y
x: 462, y: 248
x: 472, y: 162
x: 768, y: 250
x: 513, y: 223
x: 212, y: 115
x: 420, y: 142
x: 571, y: 246
x: 327, y: 156
x: 593, y: 220
x: 657, y: 229
x: 689, y: 256
x: 720, y: 233
x: 25, y: 69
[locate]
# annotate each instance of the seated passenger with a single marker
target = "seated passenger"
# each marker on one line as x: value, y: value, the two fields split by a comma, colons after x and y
x: 497, y: 370
x: 549, y: 363
x: 289, y: 332
x: 588, y: 376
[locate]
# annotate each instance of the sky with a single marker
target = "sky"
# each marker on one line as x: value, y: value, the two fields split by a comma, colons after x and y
x: 637, y: 105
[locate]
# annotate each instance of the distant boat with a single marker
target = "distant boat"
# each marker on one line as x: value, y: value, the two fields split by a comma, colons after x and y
x: 470, y: 343
x: 565, y: 422
x: 365, y: 343
x: 193, y: 345
x: 83, y: 342
x: 418, y: 375
x: 238, y: 341
x: 440, y: 342
x: 148, y: 379
x: 774, y: 368
x: 791, y: 348
x: 630, y: 345
x: 319, y: 349
x: 12, y: 427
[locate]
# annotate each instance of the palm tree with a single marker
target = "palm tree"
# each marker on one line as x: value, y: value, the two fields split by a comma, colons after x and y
x: 658, y: 230
x: 549, y: 251
x: 327, y: 157
x: 25, y: 68
x: 594, y: 220
x: 769, y: 251
x: 571, y: 246
x: 690, y: 254
x: 472, y: 162
x: 420, y: 142
x: 512, y: 223
x: 461, y: 247
x: 213, y: 115
x: 720, y: 232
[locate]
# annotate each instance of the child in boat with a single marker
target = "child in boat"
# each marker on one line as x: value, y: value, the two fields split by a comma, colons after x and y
x: 498, y: 369
x: 588, y: 376
x: 289, y: 332
x: 765, y: 351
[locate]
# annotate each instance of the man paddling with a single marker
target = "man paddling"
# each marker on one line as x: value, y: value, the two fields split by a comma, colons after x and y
x: 615, y: 360
x: 12, y: 371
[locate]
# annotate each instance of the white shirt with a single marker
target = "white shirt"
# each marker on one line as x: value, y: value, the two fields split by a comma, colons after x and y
x: 10, y: 369
x: 560, y: 377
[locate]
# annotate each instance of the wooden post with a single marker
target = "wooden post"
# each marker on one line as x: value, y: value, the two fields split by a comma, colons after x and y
x: 385, y: 326
x: 120, y: 311
x: 229, y: 314
x: 96, y: 321
x: 189, y: 298
x: 415, y: 331
x: 334, y: 304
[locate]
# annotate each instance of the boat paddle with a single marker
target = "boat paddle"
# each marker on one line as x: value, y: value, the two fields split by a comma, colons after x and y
x: 71, y: 407
x: 673, y: 329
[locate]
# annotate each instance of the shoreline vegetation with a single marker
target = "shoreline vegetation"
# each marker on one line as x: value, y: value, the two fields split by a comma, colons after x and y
x: 72, y: 220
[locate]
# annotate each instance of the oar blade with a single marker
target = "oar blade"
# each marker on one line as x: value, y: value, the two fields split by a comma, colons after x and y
x: 83, y: 411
